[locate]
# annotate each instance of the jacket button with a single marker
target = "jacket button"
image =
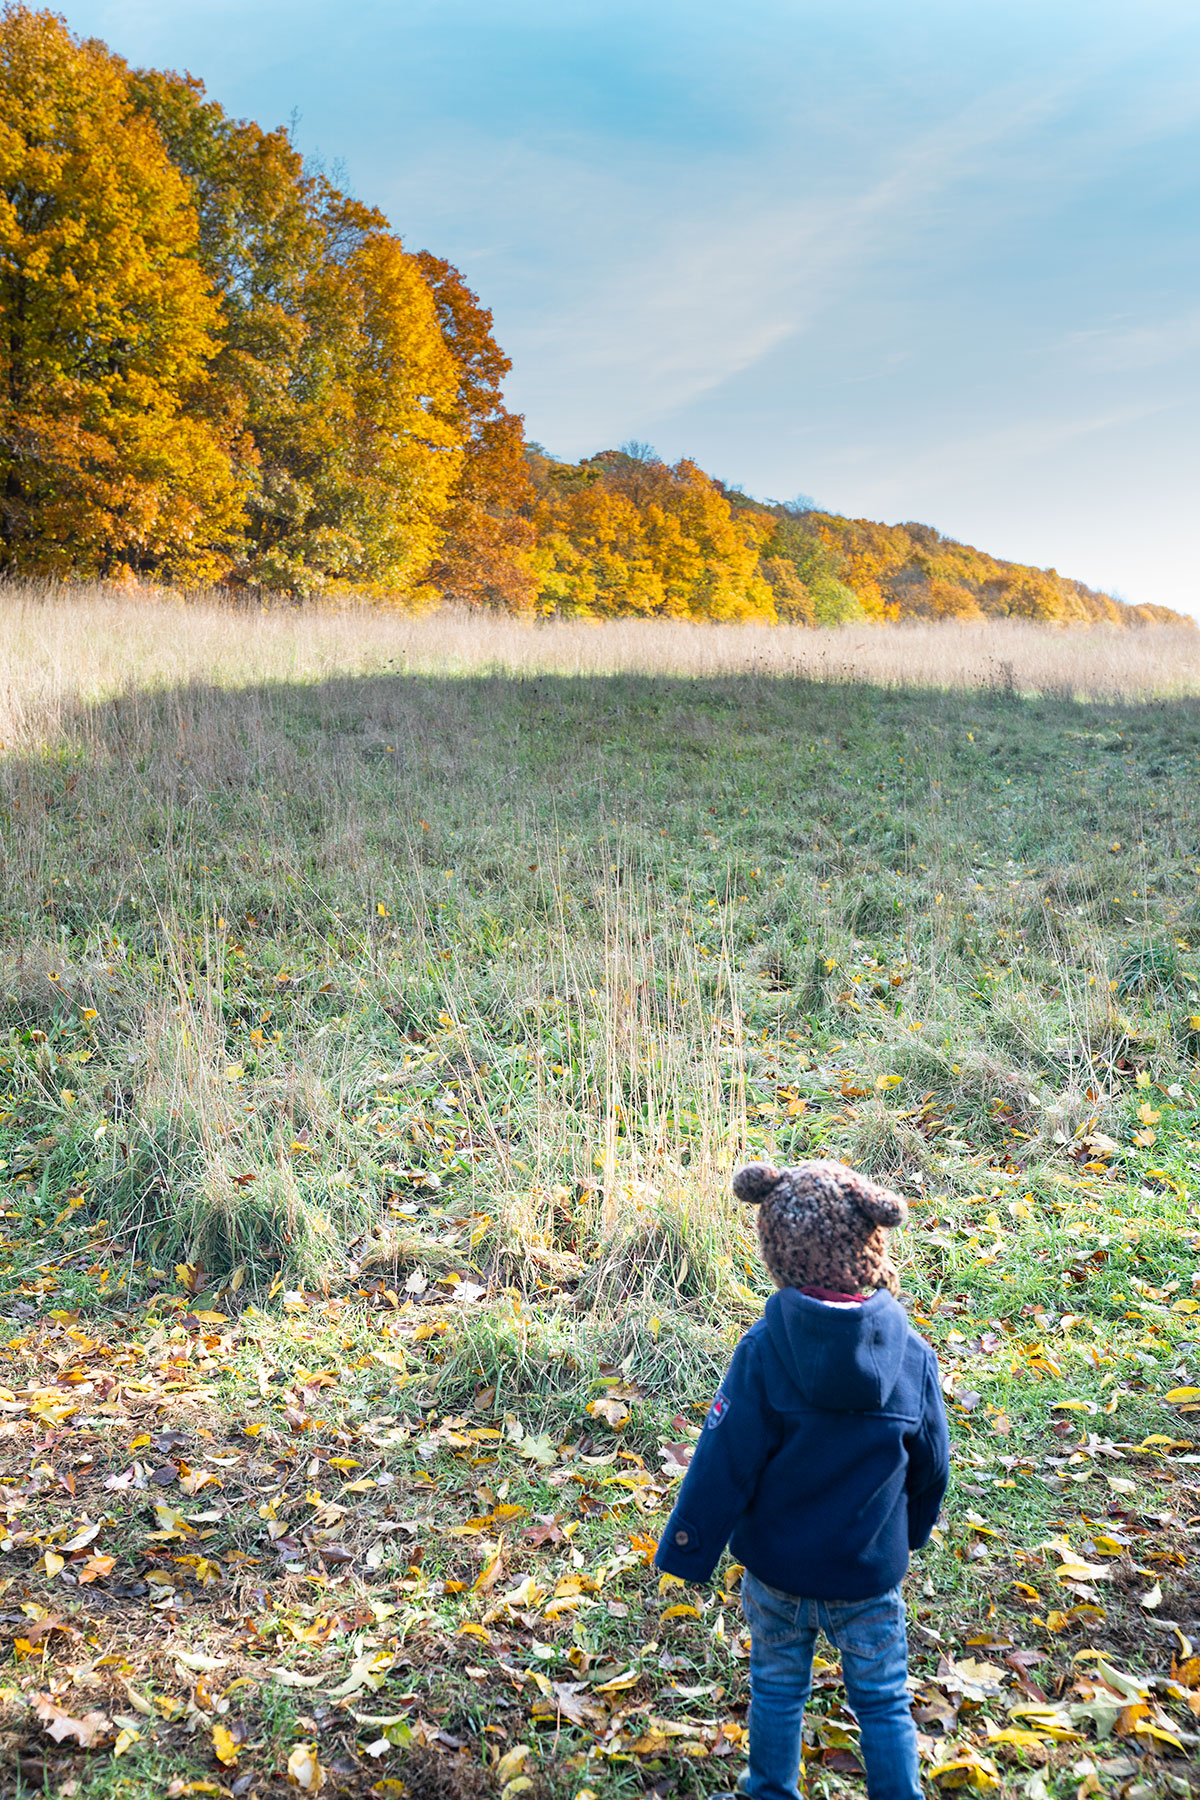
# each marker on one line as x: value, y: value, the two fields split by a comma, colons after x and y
x: 682, y: 1539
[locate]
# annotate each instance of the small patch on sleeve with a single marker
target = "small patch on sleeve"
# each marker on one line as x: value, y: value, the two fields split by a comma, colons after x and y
x: 717, y: 1412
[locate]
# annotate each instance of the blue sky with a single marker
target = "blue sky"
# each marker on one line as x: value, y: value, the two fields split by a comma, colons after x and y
x: 920, y: 259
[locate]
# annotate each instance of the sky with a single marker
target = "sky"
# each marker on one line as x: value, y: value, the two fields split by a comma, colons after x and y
x: 915, y: 259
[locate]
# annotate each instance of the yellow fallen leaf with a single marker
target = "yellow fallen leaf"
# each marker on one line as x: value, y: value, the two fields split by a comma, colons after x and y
x: 170, y: 1521
x: 1147, y: 1728
x: 126, y: 1739
x: 488, y: 1576
x: 1182, y: 1393
x: 54, y: 1562
x: 967, y: 1770
x: 225, y: 1745
x: 619, y: 1683
x: 1012, y: 1734
x: 681, y: 1612
x: 1073, y: 1569
x: 512, y: 1763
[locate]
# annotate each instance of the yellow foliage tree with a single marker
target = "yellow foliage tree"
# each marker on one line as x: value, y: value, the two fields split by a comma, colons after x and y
x: 623, y: 533
x: 333, y: 359
x: 361, y: 465
x: 107, y: 328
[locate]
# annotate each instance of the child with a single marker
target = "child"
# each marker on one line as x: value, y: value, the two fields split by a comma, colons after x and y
x: 823, y: 1461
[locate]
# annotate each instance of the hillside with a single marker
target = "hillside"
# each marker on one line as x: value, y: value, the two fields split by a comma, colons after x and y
x: 623, y: 532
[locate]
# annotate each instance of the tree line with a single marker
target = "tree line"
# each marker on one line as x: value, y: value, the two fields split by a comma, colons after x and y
x: 218, y: 368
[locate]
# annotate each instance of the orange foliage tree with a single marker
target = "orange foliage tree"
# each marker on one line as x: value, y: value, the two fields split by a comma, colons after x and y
x: 488, y: 535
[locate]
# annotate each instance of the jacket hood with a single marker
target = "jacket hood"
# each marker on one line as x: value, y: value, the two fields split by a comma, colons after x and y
x: 842, y: 1358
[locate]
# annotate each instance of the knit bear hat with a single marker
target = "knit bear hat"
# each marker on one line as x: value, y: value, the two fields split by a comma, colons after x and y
x: 821, y: 1224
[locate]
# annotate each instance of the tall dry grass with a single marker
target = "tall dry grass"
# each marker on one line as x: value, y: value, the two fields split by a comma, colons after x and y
x: 565, y: 945
x: 61, y: 647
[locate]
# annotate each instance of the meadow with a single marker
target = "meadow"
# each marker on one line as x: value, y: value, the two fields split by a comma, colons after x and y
x: 386, y: 1003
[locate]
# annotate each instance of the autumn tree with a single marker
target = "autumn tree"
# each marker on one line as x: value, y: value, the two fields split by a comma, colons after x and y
x: 107, y: 328
x: 806, y: 573
x: 333, y: 362
x: 625, y: 533
x: 485, y: 554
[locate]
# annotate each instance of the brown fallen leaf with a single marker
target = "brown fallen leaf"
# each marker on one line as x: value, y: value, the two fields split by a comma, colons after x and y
x: 61, y: 1725
x: 490, y: 1574
x: 40, y: 1628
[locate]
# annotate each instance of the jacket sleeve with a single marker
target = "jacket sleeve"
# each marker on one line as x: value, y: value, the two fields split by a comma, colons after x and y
x: 928, y: 1461
x: 740, y: 1433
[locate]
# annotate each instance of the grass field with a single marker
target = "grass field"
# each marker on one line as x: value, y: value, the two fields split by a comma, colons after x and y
x: 385, y: 1006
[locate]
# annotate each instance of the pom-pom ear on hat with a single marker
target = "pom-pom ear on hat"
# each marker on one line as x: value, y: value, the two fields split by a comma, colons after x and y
x: 755, y: 1182
x: 879, y: 1204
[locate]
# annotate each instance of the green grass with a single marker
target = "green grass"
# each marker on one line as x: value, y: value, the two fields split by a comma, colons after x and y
x: 358, y: 990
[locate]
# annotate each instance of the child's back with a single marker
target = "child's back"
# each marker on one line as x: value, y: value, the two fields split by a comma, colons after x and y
x: 821, y: 1460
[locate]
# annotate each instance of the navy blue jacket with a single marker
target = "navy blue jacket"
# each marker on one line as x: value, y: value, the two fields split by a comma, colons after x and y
x: 824, y: 1457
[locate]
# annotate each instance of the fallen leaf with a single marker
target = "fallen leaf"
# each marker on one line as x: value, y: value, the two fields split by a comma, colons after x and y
x: 613, y: 1412
x: 289, y: 1678
x: 225, y: 1744
x: 61, y: 1725
x: 96, y: 1568
x: 512, y: 1763
x: 490, y: 1574
x: 365, y: 1672
x: 967, y: 1770
x: 81, y: 1540
x: 303, y: 1768
x: 627, y: 1679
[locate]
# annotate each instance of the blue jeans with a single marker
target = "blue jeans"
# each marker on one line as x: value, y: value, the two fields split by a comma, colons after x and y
x: 871, y: 1637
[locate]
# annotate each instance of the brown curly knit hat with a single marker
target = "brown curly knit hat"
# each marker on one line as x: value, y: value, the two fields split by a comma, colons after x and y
x: 821, y: 1225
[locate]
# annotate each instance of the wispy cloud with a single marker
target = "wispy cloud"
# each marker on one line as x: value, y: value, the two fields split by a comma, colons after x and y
x: 1127, y: 347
